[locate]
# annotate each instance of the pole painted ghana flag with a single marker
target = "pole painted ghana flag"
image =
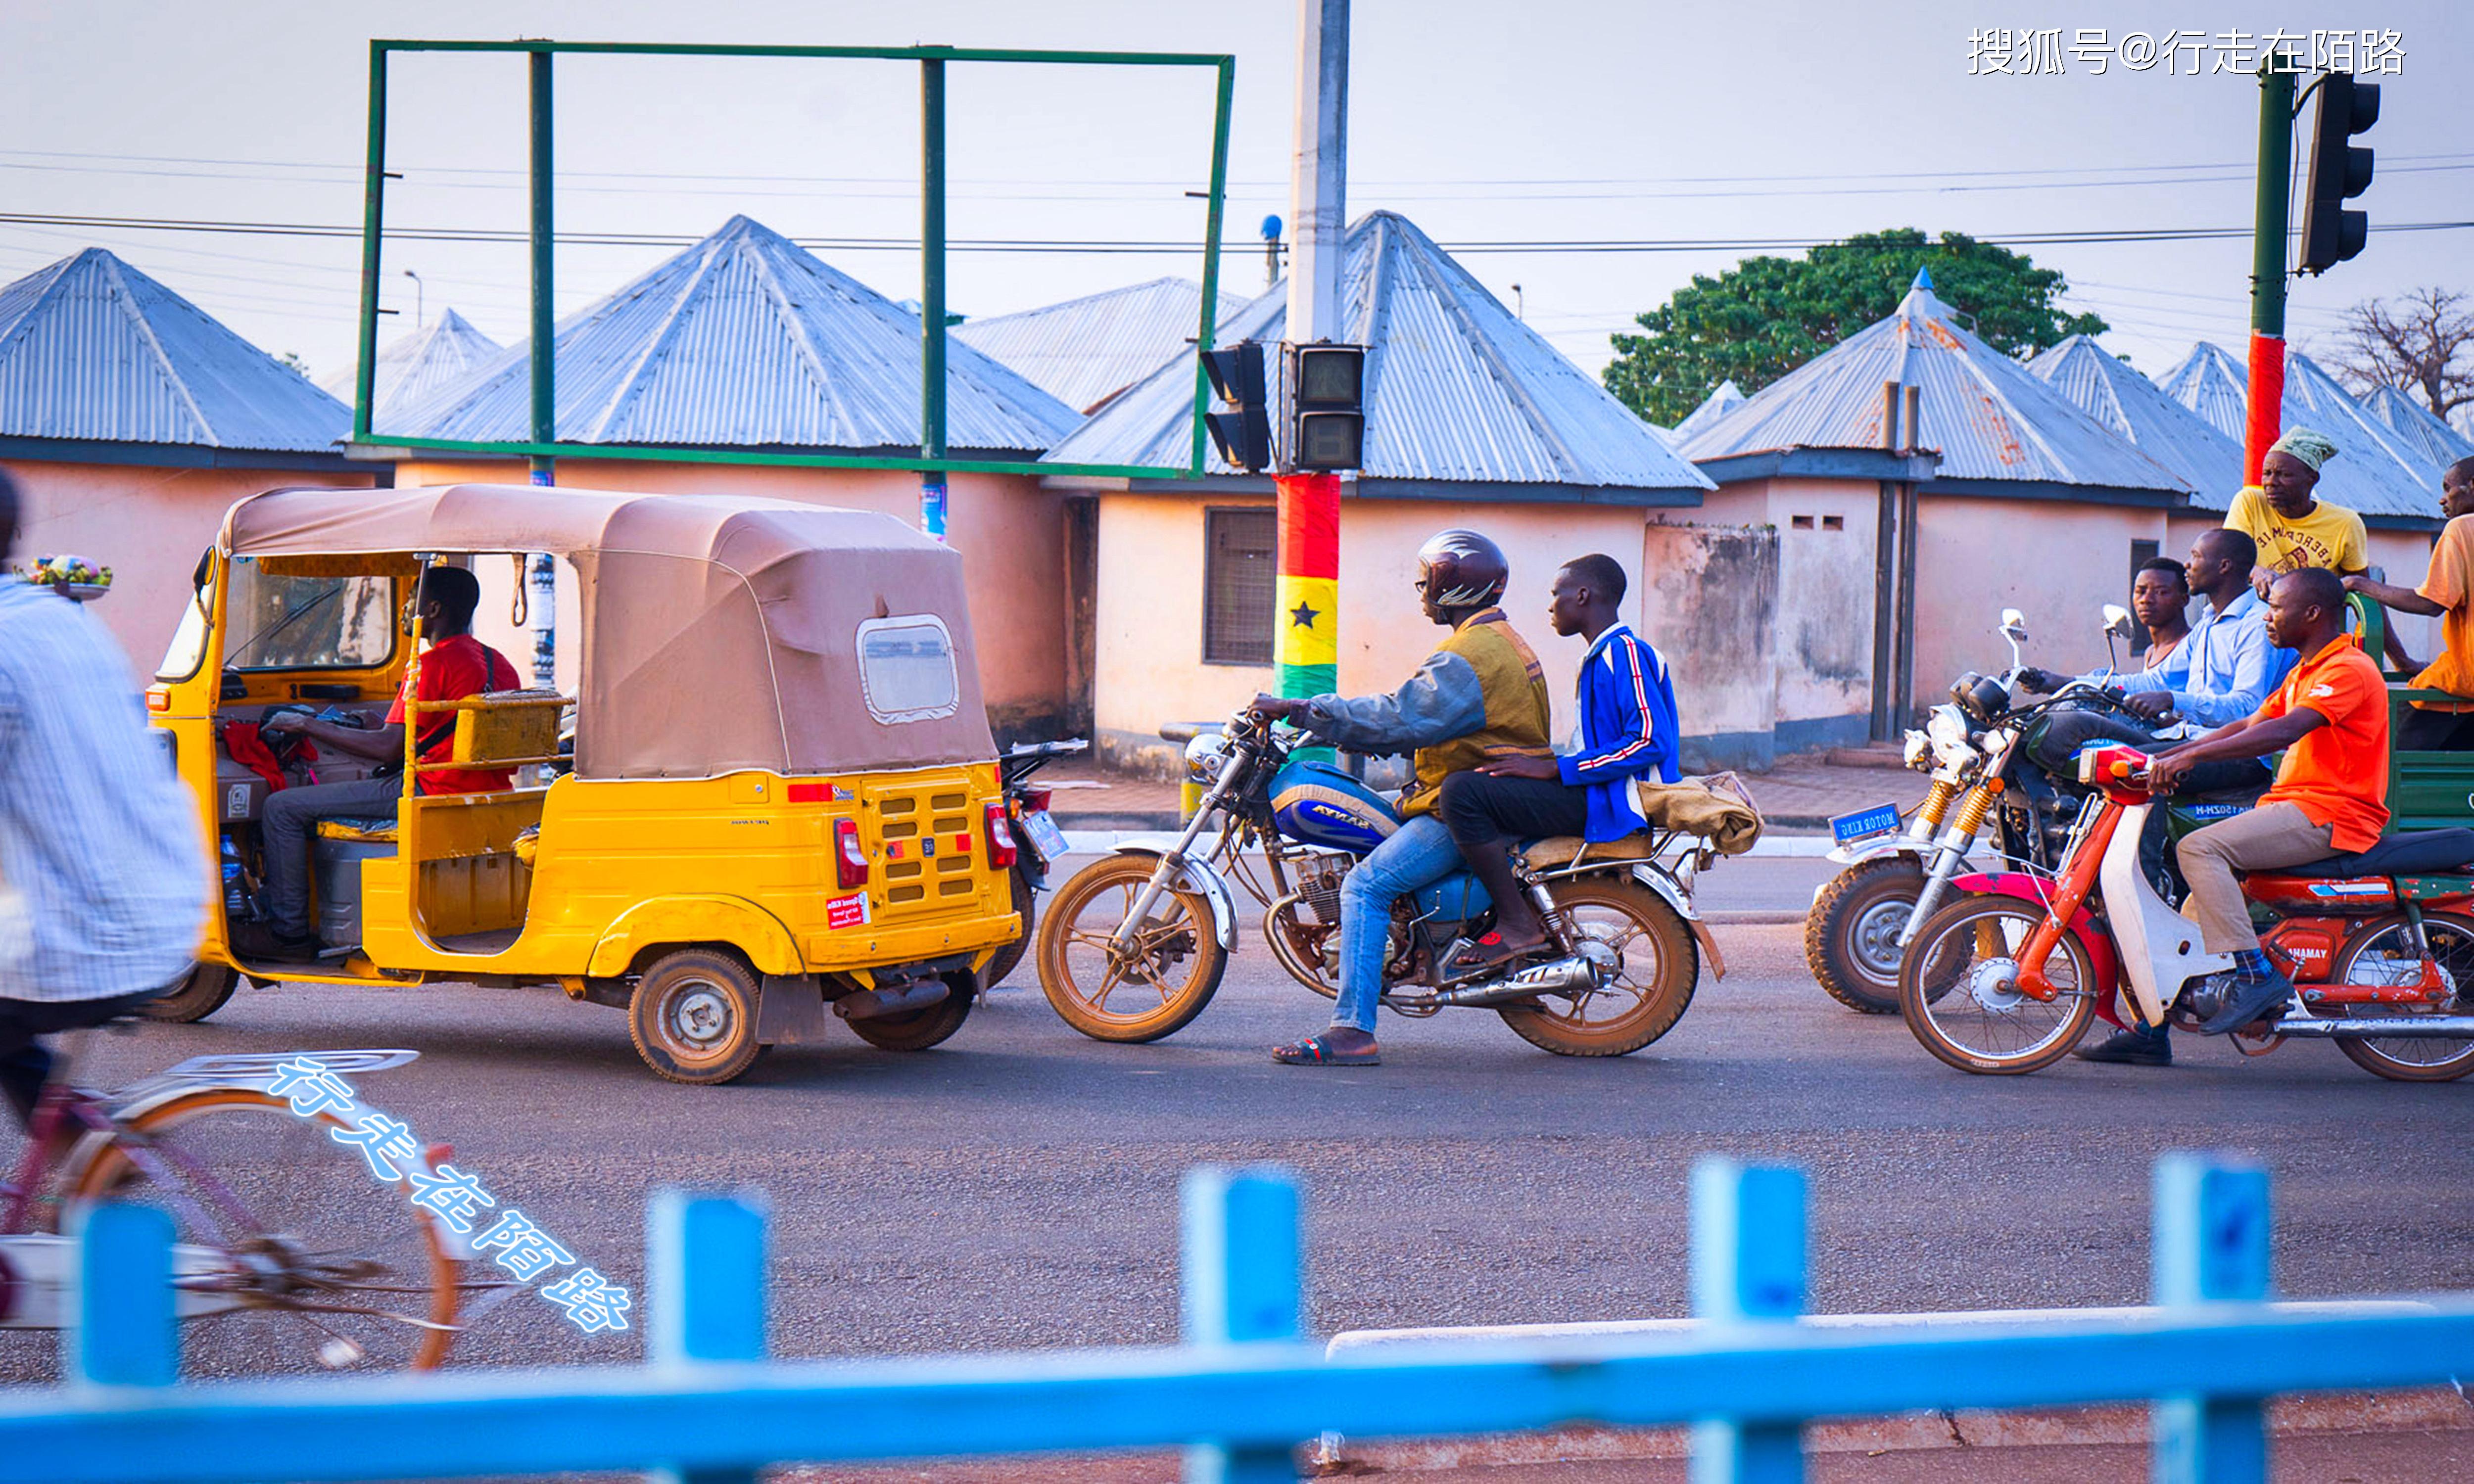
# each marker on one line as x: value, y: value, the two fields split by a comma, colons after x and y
x: 1308, y: 614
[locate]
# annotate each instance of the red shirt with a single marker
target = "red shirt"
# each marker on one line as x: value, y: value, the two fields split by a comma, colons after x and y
x: 451, y: 670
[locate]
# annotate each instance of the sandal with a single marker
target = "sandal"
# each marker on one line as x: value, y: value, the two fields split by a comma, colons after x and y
x: 1491, y: 951
x: 1313, y: 1051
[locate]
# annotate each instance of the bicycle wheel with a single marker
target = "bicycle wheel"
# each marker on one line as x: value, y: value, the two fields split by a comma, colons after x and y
x: 2385, y: 955
x: 1959, y: 988
x: 293, y: 1259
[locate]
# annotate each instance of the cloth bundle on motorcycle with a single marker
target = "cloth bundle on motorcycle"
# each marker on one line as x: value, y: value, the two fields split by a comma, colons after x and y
x: 2414, y: 853
x: 1717, y: 808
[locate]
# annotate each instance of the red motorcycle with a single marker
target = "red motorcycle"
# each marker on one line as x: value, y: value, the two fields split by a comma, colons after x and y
x: 2379, y: 946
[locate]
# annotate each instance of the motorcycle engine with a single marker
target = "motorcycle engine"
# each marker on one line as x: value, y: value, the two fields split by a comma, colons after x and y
x: 1319, y: 873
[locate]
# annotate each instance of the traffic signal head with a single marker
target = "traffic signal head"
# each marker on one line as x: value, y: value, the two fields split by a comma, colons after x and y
x: 1242, y: 429
x: 1327, y: 390
x: 2330, y: 232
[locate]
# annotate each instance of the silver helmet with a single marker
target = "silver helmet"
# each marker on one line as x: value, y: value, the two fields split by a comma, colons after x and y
x: 1462, y: 569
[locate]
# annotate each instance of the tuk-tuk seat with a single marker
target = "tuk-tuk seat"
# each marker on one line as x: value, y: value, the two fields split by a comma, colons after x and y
x: 374, y: 831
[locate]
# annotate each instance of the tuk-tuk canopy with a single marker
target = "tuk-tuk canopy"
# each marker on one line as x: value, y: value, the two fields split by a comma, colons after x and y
x: 720, y: 631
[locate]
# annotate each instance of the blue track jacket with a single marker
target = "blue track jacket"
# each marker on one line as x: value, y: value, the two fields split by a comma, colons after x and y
x: 1627, y: 731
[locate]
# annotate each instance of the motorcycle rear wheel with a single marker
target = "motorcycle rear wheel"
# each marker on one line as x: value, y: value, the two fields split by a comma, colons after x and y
x: 1957, y: 989
x: 1120, y: 995
x: 1658, y: 968
x: 2452, y: 946
x: 1851, y: 936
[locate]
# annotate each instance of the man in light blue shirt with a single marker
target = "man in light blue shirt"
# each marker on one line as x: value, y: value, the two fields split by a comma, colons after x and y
x: 2228, y: 666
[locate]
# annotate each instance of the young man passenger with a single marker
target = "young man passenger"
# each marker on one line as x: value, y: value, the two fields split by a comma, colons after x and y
x: 1627, y: 732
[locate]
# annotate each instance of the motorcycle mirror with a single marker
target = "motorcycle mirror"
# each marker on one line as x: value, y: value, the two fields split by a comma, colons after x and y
x: 2014, y: 623
x: 2117, y: 622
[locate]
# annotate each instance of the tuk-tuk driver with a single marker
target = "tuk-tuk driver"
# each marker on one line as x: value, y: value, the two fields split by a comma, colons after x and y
x: 1481, y: 696
x: 455, y: 665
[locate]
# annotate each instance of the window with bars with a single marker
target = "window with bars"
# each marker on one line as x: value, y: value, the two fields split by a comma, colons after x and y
x: 1240, y: 568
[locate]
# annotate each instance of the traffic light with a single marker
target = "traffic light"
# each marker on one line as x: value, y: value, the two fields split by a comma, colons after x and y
x: 2331, y: 233
x: 1242, y: 430
x: 1328, y: 394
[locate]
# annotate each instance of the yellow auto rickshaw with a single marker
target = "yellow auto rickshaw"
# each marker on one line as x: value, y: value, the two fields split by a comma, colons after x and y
x: 781, y: 804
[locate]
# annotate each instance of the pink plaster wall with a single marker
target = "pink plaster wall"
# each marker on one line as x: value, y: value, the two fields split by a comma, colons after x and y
x: 1007, y: 528
x: 147, y: 524
x: 1824, y: 646
x: 2057, y: 563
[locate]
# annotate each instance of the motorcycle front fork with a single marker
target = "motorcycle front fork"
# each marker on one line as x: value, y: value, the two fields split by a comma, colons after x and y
x: 1950, y: 854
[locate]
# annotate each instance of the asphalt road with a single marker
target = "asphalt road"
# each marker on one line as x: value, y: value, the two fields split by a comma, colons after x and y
x: 1017, y: 1187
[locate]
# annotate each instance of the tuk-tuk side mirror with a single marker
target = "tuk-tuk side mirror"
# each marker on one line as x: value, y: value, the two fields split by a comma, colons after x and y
x: 2117, y: 623
x: 204, y: 568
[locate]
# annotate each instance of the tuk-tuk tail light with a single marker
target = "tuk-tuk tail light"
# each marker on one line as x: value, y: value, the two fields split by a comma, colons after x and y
x: 1001, y: 846
x: 1034, y: 800
x: 850, y: 857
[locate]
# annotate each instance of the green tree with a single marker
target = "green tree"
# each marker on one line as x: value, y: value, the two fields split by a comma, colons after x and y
x: 1767, y: 316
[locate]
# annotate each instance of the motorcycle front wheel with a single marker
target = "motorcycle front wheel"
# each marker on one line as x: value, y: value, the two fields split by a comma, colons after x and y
x: 2385, y: 955
x: 1140, y: 991
x: 1652, y: 967
x: 1851, y: 936
x: 1959, y: 992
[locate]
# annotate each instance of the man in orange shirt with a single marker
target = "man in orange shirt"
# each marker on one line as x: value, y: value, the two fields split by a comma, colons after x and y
x: 2330, y: 719
x: 2447, y: 593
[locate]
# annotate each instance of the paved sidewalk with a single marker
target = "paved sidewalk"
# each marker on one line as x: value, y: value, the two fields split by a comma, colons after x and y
x: 1798, y: 796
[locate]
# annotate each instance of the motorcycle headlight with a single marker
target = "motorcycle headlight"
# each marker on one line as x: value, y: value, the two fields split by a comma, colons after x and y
x: 1203, y: 756
x: 1945, y: 729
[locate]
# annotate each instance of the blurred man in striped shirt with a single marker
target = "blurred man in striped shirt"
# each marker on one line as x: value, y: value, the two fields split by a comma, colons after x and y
x: 98, y: 840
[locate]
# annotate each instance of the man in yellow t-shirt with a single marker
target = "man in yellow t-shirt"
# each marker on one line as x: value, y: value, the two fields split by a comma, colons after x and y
x: 2447, y: 593
x: 2292, y: 529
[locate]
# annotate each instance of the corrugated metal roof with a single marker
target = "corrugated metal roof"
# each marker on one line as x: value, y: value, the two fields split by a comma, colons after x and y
x: 2113, y: 392
x: 90, y: 348
x: 1083, y: 351
x: 1987, y: 415
x: 443, y: 352
x: 2367, y: 474
x: 1717, y: 404
x: 1456, y: 388
x: 2436, y: 443
x: 2211, y: 381
x: 744, y: 339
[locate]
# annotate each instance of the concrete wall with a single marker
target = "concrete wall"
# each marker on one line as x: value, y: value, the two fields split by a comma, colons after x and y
x: 2055, y: 562
x: 148, y: 524
x: 1822, y: 648
x: 1708, y: 597
x: 1148, y: 616
x: 1008, y: 530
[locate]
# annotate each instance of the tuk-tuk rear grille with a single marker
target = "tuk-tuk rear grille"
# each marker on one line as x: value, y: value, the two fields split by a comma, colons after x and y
x: 957, y: 887
x: 943, y: 802
x: 900, y: 830
x: 905, y: 893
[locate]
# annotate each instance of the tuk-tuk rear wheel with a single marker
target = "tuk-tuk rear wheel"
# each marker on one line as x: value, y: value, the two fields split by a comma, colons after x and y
x: 199, y: 995
x: 693, y: 1017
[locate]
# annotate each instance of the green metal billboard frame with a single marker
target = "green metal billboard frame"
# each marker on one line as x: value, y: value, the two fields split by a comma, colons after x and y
x: 932, y: 60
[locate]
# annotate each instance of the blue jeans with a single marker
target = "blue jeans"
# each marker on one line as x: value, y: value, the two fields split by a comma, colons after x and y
x: 1420, y: 854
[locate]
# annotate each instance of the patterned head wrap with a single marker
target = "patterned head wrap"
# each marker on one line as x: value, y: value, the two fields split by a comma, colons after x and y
x: 2311, y: 448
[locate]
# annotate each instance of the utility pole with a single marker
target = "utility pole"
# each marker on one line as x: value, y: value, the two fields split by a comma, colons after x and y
x: 2268, y: 263
x: 931, y: 293
x: 1308, y: 619
x: 542, y: 580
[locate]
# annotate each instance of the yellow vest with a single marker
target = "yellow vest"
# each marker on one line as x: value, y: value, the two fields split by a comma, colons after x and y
x: 1517, y: 721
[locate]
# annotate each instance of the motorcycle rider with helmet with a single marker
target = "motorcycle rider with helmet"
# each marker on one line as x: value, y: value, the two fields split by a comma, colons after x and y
x: 1480, y: 696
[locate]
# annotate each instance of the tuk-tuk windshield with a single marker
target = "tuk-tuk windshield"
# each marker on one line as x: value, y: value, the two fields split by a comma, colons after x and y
x: 307, y: 623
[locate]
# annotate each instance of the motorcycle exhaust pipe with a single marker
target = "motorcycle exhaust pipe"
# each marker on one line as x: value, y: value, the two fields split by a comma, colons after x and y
x: 1559, y: 976
x: 2383, y: 1027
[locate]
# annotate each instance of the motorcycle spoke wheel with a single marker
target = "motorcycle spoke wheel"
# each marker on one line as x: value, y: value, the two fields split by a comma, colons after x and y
x: 1959, y: 992
x: 1652, y: 970
x: 1127, y: 993
x: 2382, y: 957
x: 315, y: 1266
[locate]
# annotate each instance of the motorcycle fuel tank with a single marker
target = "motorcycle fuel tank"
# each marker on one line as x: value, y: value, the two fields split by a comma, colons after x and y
x: 1317, y: 803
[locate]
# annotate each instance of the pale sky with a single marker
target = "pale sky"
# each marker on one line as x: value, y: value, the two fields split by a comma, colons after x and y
x: 1554, y: 120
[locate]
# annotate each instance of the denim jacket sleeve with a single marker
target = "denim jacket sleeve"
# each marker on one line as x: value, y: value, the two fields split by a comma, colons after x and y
x: 1443, y: 701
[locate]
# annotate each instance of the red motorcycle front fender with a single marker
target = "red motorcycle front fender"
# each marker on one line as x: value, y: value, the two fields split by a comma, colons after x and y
x: 2097, y: 943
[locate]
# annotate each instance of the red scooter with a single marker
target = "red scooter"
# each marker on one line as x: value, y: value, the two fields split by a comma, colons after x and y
x: 2379, y: 946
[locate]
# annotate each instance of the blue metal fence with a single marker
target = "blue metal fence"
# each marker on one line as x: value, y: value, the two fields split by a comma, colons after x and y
x: 1244, y: 1387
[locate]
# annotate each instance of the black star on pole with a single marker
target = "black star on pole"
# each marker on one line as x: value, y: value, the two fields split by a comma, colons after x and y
x: 1302, y: 616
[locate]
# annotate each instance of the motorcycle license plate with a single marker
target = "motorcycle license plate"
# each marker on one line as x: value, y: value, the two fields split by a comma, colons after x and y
x: 1044, y: 834
x: 1864, y: 823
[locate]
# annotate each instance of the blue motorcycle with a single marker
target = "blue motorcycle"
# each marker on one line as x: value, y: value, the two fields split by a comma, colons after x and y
x: 1135, y: 945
